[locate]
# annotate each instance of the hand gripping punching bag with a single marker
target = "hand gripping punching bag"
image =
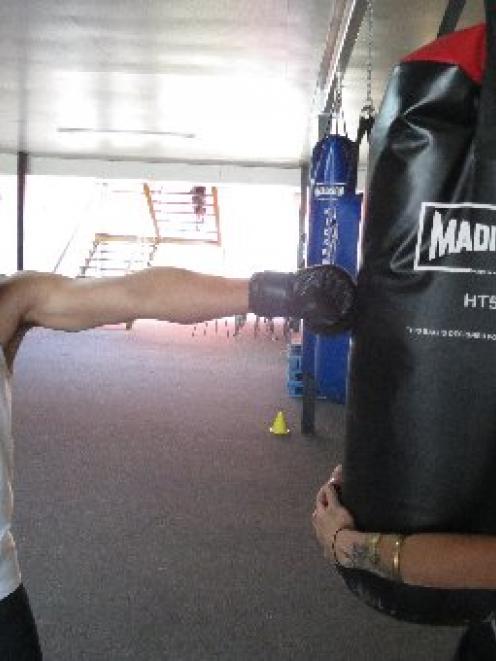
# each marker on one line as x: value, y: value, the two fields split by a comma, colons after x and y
x: 420, y: 453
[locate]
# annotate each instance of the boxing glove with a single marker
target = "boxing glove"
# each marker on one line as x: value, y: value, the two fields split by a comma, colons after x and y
x: 323, y: 296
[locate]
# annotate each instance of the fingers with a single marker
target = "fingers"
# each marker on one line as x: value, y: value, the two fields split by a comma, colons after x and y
x: 332, y: 496
x: 321, y: 499
x: 326, y: 497
x: 337, y: 475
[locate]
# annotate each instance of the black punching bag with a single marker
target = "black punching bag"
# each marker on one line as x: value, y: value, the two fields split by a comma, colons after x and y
x: 420, y: 452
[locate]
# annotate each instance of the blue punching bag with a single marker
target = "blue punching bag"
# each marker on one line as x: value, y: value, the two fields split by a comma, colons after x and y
x: 335, y: 211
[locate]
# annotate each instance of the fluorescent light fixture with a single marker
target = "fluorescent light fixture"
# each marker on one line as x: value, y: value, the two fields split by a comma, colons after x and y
x: 170, y: 134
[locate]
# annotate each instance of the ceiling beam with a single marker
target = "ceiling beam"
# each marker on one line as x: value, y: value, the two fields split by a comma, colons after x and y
x: 344, y: 26
x: 349, y: 27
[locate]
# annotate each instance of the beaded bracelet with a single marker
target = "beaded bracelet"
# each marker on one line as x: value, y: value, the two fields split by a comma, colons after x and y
x: 333, y: 544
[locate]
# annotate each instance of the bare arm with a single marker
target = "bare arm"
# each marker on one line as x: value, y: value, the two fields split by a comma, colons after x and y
x: 429, y: 559
x: 164, y: 293
x: 434, y: 560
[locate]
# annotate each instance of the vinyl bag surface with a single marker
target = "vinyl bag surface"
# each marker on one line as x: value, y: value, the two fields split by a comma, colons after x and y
x: 420, y: 453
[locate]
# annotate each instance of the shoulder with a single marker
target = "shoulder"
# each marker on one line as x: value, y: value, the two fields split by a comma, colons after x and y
x: 17, y: 288
x: 17, y: 294
x: 24, y: 285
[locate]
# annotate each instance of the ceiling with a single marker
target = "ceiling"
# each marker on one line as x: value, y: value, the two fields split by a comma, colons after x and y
x: 195, y: 81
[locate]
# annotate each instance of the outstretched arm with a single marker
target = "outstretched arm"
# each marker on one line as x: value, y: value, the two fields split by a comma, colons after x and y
x: 169, y: 294
x: 429, y: 559
x: 322, y: 295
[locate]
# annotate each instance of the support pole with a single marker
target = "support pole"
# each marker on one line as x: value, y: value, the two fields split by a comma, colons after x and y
x: 304, y: 180
x: 308, y: 402
x: 308, y: 405
x: 345, y: 40
x: 22, y: 168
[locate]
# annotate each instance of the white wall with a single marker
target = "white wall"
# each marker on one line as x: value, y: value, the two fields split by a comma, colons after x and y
x: 260, y: 231
x: 8, y: 223
x: 58, y: 211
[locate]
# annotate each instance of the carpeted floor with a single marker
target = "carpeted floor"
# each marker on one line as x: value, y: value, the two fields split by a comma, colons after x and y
x: 158, y: 519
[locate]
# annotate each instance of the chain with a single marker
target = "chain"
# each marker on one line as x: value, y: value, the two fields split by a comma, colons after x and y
x: 370, y: 47
x: 338, y: 93
x: 337, y: 106
x: 368, y: 111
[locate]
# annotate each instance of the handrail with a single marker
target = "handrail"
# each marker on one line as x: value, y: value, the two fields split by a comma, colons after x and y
x: 151, y: 209
x: 67, y: 246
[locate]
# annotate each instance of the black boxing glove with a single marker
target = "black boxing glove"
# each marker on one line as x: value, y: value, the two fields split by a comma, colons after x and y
x: 323, y: 296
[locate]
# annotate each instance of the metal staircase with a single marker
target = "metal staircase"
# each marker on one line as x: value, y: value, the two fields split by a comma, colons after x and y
x: 188, y: 217
x: 112, y: 254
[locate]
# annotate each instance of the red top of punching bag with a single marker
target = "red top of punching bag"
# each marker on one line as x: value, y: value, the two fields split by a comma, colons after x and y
x: 465, y: 48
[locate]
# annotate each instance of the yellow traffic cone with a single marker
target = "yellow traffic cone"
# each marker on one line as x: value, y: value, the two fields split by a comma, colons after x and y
x: 279, y: 426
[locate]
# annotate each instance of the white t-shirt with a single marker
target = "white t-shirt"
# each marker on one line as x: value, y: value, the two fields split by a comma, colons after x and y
x: 10, y: 576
